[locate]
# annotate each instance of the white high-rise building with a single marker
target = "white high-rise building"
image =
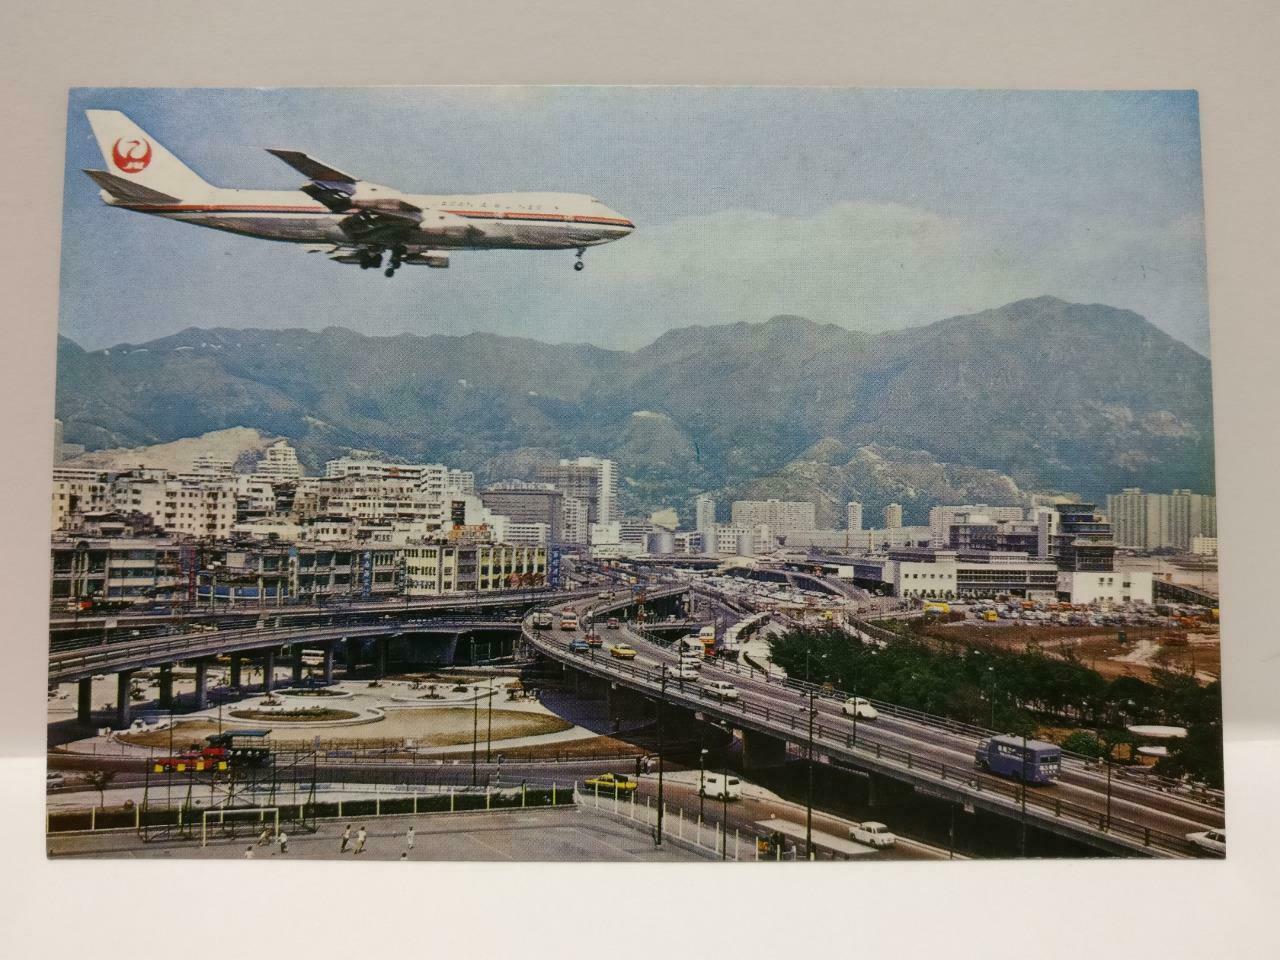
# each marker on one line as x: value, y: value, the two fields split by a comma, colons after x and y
x: 781, y: 516
x: 591, y: 480
x: 280, y: 462
x: 893, y: 516
x: 704, y: 513
x: 853, y: 515
x: 1152, y: 521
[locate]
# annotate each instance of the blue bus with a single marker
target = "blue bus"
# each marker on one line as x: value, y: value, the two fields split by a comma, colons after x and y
x: 1003, y: 755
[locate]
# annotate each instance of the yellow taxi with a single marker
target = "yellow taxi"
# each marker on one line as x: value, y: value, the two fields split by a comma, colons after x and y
x: 611, y: 783
x: 623, y: 651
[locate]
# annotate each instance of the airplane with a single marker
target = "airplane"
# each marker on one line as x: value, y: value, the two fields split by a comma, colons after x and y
x: 349, y: 219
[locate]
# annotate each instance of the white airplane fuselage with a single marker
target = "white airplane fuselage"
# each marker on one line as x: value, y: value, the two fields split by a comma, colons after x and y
x: 487, y: 221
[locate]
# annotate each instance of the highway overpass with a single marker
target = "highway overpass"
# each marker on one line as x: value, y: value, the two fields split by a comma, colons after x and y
x: 931, y: 754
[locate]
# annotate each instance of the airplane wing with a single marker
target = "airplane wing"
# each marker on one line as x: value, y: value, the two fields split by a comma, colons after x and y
x: 311, y: 168
x: 328, y: 185
x: 381, y: 221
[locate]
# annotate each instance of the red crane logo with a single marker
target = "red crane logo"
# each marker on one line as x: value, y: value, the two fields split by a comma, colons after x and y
x: 131, y: 156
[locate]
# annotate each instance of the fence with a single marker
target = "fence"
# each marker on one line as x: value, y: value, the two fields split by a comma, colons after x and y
x: 455, y: 800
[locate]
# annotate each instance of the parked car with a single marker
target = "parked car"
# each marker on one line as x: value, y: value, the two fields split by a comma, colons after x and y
x: 859, y: 707
x: 872, y: 833
x: 54, y: 780
x: 1215, y: 841
x: 611, y: 783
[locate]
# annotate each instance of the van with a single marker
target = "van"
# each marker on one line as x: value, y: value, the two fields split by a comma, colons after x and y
x: 721, y: 689
x: 720, y: 786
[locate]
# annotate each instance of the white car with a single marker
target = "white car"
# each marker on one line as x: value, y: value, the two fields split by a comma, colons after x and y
x: 859, y: 707
x: 872, y: 833
x: 1215, y: 841
x: 722, y: 689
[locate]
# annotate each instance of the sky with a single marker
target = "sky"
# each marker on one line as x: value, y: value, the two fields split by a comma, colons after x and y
x: 872, y: 209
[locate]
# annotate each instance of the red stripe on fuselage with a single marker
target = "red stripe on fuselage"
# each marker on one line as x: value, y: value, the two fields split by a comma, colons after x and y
x: 470, y: 214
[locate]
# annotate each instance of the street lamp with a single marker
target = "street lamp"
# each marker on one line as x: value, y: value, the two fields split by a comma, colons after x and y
x: 488, y: 737
x: 662, y: 702
x: 475, y: 720
x: 992, y: 672
x: 702, y: 783
x: 724, y: 802
x: 808, y: 812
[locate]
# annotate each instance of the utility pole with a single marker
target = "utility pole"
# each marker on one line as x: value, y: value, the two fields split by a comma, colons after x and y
x: 662, y: 702
x: 1022, y: 842
x: 488, y: 737
x: 475, y: 721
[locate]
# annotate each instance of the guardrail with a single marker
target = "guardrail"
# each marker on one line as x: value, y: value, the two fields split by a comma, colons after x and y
x: 965, y: 781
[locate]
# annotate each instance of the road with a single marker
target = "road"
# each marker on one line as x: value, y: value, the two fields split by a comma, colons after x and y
x: 1082, y: 793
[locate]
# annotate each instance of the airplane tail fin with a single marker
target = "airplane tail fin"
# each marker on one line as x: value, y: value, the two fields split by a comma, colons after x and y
x: 139, y: 160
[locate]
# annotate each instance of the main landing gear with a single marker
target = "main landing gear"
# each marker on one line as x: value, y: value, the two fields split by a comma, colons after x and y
x: 370, y: 259
x: 578, y: 264
x: 397, y: 257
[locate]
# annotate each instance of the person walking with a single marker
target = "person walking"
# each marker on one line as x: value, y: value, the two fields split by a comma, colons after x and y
x: 361, y: 836
x: 346, y: 839
x: 283, y: 840
x: 408, y: 838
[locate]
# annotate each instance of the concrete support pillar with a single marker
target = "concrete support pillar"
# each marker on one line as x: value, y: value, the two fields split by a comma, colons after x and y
x: 383, y: 644
x: 297, y: 664
x: 328, y: 662
x: 202, y: 683
x: 871, y: 790
x: 84, y: 701
x: 352, y: 657
x: 166, y: 686
x: 268, y: 671
x: 122, y: 698
x: 236, y: 664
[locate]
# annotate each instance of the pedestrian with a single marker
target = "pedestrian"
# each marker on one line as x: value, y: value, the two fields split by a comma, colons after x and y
x: 283, y: 840
x: 361, y: 835
x: 248, y: 852
x: 264, y: 837
x: 346, y: 839
x: 408, y: 837
x: 404, y: 855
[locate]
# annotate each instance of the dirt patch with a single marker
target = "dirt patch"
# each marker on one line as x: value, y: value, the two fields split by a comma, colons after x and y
x: 1146, y: 648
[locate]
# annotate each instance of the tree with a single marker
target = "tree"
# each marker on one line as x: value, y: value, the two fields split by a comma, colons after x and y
x: 1084, y: 743
x: 100, y: 780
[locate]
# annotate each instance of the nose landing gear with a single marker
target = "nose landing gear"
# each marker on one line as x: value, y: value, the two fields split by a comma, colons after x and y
x: 578, y: 264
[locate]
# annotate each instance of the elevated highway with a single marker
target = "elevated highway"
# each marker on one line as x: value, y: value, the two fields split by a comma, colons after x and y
x: 932, y: 754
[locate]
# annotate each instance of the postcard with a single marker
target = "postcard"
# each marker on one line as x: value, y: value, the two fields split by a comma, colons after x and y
x: 633, y: 474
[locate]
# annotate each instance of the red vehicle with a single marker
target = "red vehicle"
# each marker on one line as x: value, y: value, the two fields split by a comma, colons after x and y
x: 593, y: 639
x: 206, y: 758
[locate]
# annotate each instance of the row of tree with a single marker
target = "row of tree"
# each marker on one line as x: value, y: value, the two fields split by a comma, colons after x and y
x: 1015, y: 692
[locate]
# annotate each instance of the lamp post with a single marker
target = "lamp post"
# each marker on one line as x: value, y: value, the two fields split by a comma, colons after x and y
x: 1022, y: 841
x: 702, y: 783
x: 992, y: 672
x: 724, y: 803
x: 475, y: 721
x: 808, y: 804
x: 662, y: 702
x: 488, y: 736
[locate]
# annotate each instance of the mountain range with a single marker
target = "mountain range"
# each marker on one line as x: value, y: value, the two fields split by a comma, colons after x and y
x: 1036, y: 395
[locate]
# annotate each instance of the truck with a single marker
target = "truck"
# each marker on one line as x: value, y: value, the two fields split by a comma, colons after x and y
x: 1006, y: 756
x: 568, y: 620
x: 707, y: 637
